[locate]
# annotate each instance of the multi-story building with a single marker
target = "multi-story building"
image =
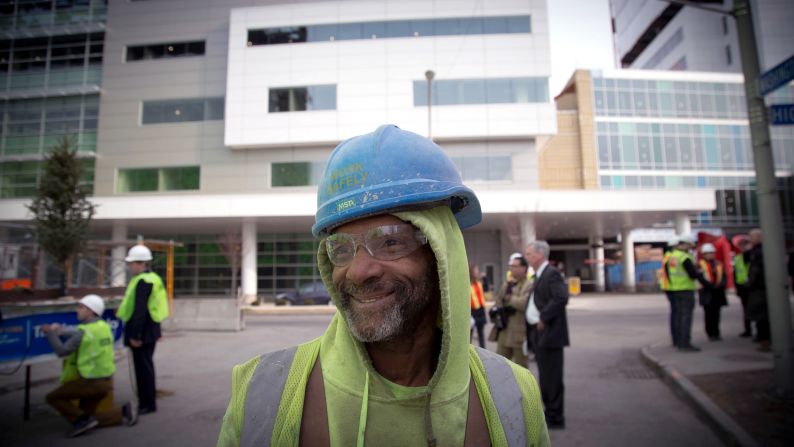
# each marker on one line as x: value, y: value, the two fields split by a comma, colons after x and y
x: 216, y: 118
x: 662, y: 35
x: 50, y: 79
x: 644, y: 130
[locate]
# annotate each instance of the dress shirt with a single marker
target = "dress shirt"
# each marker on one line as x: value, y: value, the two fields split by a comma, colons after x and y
x: 533, y: 314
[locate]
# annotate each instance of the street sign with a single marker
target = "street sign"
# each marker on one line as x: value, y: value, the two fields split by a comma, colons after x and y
x: 776, y: 77
x: 781, y: 114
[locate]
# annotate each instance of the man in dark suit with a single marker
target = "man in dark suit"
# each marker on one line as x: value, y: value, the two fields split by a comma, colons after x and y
x: 547, y: 330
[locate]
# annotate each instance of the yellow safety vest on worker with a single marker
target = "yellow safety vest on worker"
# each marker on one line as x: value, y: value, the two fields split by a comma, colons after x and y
x: 158, y: 299
x: 679, y: 278
x: 93, y: 359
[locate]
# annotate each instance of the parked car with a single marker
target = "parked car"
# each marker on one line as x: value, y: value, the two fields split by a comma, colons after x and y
x: 312, y: 293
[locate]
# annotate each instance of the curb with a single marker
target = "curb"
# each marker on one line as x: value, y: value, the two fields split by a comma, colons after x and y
x: 731, y: 433
x: 289, y: 310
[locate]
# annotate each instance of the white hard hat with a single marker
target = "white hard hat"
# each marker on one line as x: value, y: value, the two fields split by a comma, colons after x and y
x: 515, y: 255
x: 673, y: 241
x: 708, y: 248
x: 138, y: 253
x: 95, y: 303
x: 686, y: 239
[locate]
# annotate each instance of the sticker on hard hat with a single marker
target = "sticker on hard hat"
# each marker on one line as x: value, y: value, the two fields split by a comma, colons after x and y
x: 350, y: 175
x: 349, y: 203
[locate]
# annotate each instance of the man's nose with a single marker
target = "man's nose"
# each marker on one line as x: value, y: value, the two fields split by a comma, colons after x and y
x: 363, y: 266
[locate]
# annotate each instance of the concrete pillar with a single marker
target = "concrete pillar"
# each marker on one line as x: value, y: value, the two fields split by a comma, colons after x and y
x: 249, y: 261
x: 118, y: 271
x: 628, y: 260
x: 597, y: 255
x: 682, y: 224
x: 527, y: 228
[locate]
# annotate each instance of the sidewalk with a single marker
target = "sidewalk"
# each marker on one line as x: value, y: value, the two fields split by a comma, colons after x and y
x: 726, y: 385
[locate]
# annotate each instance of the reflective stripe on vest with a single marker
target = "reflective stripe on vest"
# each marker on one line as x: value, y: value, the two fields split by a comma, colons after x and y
x: 264, y: 396
x: 506, y: 396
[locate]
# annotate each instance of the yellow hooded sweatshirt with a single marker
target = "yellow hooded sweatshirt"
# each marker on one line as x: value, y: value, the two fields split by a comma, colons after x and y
x: 363, y: 407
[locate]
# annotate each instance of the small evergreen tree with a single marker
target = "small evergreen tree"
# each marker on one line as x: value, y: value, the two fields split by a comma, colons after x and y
x: 62, y: 214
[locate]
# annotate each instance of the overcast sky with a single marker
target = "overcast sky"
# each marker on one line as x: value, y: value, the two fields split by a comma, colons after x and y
x: 581, y: 37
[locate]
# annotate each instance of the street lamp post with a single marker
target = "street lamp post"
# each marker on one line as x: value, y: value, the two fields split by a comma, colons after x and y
x: 429, y: 75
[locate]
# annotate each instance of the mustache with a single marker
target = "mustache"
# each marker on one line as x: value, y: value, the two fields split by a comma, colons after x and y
x: 370, y: 287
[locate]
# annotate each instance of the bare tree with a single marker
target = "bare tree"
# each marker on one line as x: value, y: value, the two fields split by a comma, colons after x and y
x: 231, y: 246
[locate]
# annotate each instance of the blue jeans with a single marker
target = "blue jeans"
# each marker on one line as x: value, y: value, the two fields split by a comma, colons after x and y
x: 683, y: 306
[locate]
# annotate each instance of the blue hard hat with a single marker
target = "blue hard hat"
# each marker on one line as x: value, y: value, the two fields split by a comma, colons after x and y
x: 390, y: 170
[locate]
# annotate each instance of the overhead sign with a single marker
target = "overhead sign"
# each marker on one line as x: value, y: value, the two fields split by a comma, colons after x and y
x: 778, y: 76
x: 781, y: 114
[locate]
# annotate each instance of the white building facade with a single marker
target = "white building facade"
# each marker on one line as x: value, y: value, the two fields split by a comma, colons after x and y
x: 216, y: 118
x: 661, y: 35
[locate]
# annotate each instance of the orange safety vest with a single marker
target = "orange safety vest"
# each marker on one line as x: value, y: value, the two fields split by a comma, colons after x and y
x: 476, y: 296
x: 713, y: 273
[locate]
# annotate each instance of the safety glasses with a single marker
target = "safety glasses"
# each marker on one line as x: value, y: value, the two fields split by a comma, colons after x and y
x: 386, y: 243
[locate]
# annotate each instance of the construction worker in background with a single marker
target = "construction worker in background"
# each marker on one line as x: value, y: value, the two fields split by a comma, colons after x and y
x: 663, y: 276
x: 712, y: 294
x: 683, y: 276
x: 88, y: 368
x: 395, y: 366
x: 741, y: 266
x: 144, y: 306
x: 511, y: 304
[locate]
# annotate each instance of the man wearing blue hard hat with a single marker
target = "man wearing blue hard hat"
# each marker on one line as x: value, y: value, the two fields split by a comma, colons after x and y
x: 395, y: 366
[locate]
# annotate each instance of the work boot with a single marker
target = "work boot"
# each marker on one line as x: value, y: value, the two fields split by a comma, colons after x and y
x: 82, y: 425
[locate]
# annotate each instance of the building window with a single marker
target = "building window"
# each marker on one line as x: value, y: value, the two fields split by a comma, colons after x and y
x: 305, y: 173
x: 158, y: 179
x: 51, y: 62
x: 165, y: 50
x: 666, y: 48
x: 44, y: 13
x: 21, y: 178
x: 390, y: 29
x: 34, y: 126
x: 728, y: 55
x: 724, y: 25
x: 483, y: 91
x: 295, y: 99
x: 492, y: 168
x: 182, y: 110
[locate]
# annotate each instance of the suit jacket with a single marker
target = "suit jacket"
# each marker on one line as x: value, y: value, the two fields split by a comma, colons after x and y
x: 551, y: 298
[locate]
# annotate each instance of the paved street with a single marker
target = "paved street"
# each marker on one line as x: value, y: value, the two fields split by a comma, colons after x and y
x: 611, y: 397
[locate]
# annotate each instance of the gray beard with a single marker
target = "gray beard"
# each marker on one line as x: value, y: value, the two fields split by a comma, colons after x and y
x: 401, y: 318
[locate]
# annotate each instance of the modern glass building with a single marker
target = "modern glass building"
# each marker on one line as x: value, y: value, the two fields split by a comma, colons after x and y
x: 50, y: 77
x: 658, y: 130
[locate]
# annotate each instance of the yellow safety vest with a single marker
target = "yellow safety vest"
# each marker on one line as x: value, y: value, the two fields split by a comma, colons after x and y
x: 93, y: 359
x: 158, y: 300
x: 741, y: 268
x: 679, y: 278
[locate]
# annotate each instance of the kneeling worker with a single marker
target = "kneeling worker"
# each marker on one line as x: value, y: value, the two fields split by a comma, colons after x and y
x: 87, y: 370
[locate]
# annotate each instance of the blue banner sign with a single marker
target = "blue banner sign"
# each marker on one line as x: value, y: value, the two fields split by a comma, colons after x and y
x: 22, y: 339
x: 776, y: 77
x: 781, y: 114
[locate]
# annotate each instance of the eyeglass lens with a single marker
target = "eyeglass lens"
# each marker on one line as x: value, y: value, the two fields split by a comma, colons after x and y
x: 386, y: 243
